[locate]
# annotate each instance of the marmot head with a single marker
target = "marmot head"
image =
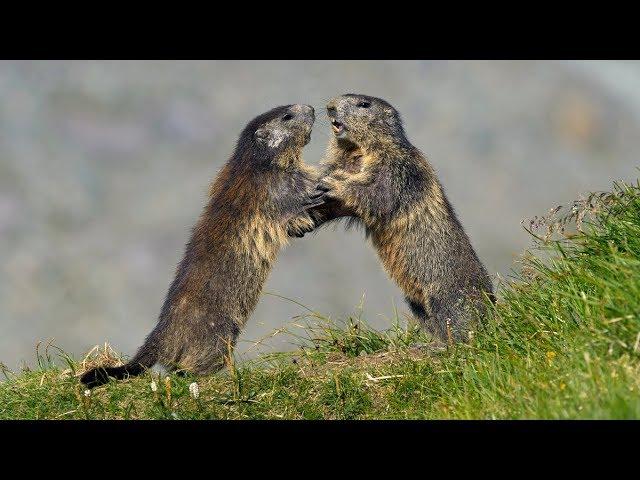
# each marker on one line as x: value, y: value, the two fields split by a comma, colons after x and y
x: 363, y: 120
x: 276, y: 137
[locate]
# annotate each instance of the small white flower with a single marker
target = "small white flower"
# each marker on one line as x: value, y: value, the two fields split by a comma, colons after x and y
x: 87, y: 393
x: 154, y: 386
x: 194, y: 390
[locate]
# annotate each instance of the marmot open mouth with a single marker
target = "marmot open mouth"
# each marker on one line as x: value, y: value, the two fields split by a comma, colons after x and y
x: 337, y: 126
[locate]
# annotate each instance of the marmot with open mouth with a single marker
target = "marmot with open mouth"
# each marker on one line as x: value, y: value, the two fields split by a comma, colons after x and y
x: 375, y: 176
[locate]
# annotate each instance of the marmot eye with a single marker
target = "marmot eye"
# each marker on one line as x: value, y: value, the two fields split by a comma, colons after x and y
x: 288, y: 116
x: 364, y: 104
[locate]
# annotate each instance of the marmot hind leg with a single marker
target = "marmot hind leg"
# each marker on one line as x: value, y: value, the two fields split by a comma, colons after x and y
x: 200, y: 363
x: 446, y: 321
x: 452, y: 318
x: 202, y: 351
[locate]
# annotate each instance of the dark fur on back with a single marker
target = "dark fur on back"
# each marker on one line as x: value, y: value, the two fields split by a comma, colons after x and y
x: 256, y: 202
x: 374, y: 175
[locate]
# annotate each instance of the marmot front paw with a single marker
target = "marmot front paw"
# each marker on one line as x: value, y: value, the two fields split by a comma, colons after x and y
x: 301, y: 225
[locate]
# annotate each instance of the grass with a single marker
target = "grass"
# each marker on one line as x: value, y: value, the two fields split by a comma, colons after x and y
x: 562, y: 342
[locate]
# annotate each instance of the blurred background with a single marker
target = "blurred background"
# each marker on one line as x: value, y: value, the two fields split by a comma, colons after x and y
x: 104, y: 168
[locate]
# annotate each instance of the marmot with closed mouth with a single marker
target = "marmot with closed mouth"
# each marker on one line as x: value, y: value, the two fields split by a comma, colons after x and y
x: 258, y: 200
x: 375, y: 176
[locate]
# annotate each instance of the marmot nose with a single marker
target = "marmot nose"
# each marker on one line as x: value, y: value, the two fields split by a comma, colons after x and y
x: 333, y: 104
x: 308, y: 111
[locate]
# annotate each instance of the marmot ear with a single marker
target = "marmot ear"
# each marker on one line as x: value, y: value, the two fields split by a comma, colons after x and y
x: 262, y: 134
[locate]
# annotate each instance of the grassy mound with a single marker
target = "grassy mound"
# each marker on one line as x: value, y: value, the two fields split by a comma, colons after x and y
x: 562, y: 342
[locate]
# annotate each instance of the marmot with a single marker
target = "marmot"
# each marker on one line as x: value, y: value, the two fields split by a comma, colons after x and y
x: 256, y: 202
x: 375, y: 176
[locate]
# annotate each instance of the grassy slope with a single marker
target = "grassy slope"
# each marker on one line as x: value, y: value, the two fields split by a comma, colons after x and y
x: 563, y: 342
